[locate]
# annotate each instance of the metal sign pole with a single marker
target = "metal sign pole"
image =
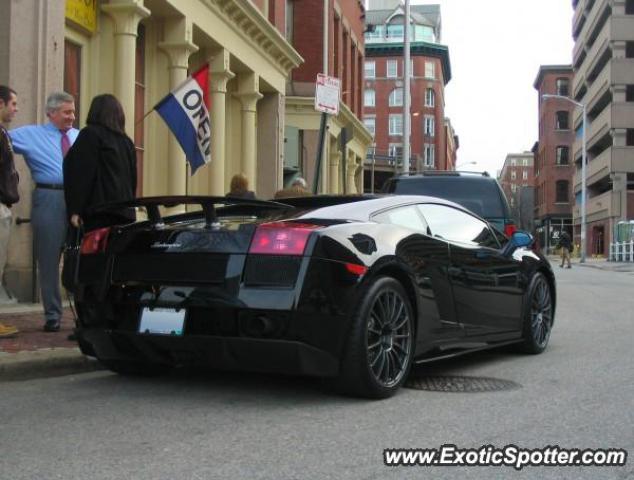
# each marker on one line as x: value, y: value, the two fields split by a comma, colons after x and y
x: 320, y: 152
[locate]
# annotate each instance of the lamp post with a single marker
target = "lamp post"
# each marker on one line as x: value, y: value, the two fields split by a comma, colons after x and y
x: 546, y: 96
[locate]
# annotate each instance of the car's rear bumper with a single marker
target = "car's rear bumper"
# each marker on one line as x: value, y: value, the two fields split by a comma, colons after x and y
x: 226, y: 353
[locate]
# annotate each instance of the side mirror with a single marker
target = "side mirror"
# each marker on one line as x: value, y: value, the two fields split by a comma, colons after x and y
x: 519, y: 239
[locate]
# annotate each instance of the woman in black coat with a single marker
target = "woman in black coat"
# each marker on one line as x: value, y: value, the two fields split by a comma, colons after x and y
x: 100, y: 167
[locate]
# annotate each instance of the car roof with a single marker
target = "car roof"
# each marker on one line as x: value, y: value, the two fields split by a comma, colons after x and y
x: 364, y: 206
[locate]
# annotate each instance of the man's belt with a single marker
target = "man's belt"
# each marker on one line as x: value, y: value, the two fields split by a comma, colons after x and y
x: 50, y: 186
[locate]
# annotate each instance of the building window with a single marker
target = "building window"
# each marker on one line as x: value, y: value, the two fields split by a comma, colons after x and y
x: 368, y: 98
x: 629, y: 49
x: 395, y: 150
x: 395, y: 32
x: 289, y: 20
x: 430, y: 125
x: 396, y: 124
x: 525, y: 162
x: 430, y: 97
x: 392, y: 68
x: 562, y: 155
x: 629, y: 7
x: 370, y: 124
x: 629, y: 93
x: 513, y: 175
x: 513, y: 188
x: 562, y: 86
x: 512, y: 162
x: 429, y: 70
x: 396, y: 98
x: 629, y: 137
x: 561, y: 120
x: 561, y: 191
x: 429, y: 155
x: 370, y: 70
x: 524, y: 175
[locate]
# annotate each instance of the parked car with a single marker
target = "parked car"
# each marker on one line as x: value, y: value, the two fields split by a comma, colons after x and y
x: 477, y: 192
x: 353, y: 288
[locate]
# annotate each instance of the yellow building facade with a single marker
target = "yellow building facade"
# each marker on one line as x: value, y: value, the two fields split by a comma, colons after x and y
x: 140, y: 50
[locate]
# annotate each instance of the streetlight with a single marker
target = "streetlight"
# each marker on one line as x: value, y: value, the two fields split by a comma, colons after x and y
x: 546, y: 96
x: 466, y: 163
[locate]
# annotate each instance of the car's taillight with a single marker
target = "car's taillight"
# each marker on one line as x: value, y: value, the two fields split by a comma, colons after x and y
x: 95, y: 241
x: 281, y: 238
x: 509, y: 229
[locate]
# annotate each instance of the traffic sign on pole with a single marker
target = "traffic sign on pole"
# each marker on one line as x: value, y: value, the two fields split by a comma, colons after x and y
x: 327, y: 94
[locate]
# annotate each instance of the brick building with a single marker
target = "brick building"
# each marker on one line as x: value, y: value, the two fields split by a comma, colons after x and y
x: 329, y: 36
x: 384, y: 94
x: 518, y: 181
x: 603, y: 62
x: 554, y: 170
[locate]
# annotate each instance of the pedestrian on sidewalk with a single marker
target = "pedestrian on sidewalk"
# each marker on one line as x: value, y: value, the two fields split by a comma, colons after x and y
x: 44, y: 148
x: 100, y: 167
x: 565, y: 244
x: 8, y: 191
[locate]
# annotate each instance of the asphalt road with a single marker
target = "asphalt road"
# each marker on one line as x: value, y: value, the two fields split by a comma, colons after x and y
x: 578, y: 394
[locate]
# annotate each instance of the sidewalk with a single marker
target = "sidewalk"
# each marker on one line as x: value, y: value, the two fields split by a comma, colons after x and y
x: 34, y: 353
x: 599, y: 263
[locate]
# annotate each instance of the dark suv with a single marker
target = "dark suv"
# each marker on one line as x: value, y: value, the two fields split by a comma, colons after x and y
x: 477, y: 192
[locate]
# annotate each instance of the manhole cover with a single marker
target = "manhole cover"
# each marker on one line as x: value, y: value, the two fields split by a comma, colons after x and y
x: 461, y: 384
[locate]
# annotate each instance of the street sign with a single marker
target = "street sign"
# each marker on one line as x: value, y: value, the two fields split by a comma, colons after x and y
x: 327, y: 94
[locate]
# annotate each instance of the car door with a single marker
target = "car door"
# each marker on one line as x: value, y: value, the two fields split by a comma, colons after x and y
x: 485, y: 281
x: 428, y: 259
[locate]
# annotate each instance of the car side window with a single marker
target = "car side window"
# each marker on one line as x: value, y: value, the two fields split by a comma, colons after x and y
x: 407, y: 217
x: 457, y: 226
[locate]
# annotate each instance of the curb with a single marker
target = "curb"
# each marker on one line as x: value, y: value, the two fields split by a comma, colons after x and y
x: 45, y: 363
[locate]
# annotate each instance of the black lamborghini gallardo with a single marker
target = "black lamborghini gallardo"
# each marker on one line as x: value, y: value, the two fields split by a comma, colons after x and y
x: 354, y: 288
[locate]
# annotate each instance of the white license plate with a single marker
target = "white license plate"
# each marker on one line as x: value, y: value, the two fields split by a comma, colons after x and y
x: 162, y: 321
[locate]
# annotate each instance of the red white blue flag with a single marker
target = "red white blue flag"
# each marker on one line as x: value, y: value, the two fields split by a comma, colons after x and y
x: 185, y: 111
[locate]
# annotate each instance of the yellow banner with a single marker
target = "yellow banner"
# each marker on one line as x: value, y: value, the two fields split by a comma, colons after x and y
x: 83, y: 13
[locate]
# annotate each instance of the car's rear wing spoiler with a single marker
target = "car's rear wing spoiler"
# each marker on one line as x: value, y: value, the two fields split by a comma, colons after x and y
x: 207, y: 203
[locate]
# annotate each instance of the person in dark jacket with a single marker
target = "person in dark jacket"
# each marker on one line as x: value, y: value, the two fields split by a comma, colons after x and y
x: 100, y: 167
x: 565, y: 243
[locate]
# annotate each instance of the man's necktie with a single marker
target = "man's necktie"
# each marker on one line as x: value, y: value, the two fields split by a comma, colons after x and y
x: 65, y: 143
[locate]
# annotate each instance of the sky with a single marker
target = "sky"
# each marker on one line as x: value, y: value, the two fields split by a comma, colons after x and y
x: 495, y: 50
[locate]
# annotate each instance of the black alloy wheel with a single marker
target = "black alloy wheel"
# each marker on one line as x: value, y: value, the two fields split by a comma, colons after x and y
x: 539, y: 316
x: 381, y: 342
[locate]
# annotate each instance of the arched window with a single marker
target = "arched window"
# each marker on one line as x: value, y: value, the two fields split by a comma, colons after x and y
x: 561, y: 191
x: 396, y: 97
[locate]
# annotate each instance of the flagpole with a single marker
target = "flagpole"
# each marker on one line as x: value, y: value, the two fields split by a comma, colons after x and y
x: 144, y: 117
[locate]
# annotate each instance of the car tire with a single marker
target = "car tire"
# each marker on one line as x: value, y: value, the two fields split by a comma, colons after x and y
x: 380, y: 344
x: 134, y: 368
x: 538, y: 316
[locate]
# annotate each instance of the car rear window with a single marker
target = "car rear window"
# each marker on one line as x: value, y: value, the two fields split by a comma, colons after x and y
x: 480, y: 196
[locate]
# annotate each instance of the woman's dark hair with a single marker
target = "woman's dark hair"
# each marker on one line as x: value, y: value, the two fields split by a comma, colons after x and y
x: 105, y: 110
